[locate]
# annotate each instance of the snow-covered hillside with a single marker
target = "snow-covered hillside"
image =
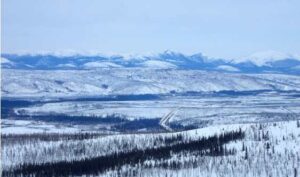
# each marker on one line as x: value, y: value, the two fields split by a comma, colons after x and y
x: 91, y: 65
x: 62, y: 83
x: 158, y: 64
x: 270, y: 149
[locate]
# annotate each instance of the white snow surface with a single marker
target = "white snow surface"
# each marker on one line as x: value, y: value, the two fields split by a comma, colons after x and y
x: 4, y: 60
x: 158, y: 64
x: 31, y: 127
x: 101, y: 65
x: 105, y: 81
x: 228, y: 68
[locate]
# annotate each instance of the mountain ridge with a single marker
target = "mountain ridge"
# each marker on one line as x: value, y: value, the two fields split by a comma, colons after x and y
x: 260, y: 63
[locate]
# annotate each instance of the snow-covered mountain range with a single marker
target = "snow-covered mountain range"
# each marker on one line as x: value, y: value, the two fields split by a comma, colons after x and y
x: 263, y: 62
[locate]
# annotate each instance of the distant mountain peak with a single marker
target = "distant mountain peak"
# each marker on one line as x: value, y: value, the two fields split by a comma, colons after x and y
x: 171, y: 53
x: 265, y: 57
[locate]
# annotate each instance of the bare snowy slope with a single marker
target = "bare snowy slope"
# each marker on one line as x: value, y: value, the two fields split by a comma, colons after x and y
x: 61, y: 83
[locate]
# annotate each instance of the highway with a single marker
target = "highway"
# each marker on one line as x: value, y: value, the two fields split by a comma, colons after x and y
x: 165, y: 119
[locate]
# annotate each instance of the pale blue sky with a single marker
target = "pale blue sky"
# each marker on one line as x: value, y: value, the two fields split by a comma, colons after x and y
x: 217, y: 28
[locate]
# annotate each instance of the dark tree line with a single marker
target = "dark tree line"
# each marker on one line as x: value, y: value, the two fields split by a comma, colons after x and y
x: 23, y: 138
x: 74, y: 119
x: 213, y: 146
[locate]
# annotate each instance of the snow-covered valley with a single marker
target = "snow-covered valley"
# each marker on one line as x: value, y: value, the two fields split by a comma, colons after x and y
x: 150, y: 88
x: 196, y: 111
x: 149, y: 122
